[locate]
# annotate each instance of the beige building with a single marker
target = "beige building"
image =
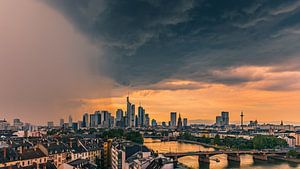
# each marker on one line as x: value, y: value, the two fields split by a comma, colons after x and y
x: 57, y: 152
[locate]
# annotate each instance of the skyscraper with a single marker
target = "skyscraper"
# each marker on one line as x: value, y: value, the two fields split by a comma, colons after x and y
x: 132, y: 116
x: 119, y: 121
x: 136, y: 121
x: 97, y: 118
x: 61, y: 122
x: 147, y: 120
x: 111, y: 121
x: 153, y: 123
x: 179, y: 123
x: 85, y: 120
x: 92, y: 120
x: 225, y: 118
x: 130, y: 113
x: 219, y: 121
x: 141, y: 116
x: 70, y: 121
x: 119, y: 115
x: 105, y: 119
x: 173, y: 119
x: 185, y: 122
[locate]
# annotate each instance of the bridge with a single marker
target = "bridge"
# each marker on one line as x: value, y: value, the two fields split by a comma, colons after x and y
x: 232, y: 155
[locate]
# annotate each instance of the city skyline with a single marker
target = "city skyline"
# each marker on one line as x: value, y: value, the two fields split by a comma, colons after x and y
x: 61, y: 58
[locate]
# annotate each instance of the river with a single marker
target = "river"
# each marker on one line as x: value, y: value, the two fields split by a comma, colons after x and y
x: 192, y: 161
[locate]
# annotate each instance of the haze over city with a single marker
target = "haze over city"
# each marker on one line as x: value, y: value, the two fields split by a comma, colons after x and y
x: 61, y: 58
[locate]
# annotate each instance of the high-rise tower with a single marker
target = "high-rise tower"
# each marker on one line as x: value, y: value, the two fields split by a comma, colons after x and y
x: 179, y: 123
x: 130, y: 113
x: 173, y: 118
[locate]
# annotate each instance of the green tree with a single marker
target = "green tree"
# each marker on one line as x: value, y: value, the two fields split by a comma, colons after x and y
x: 113, y: 133
x: 292, y: 154
x: 268, y: 142
x: 135, y: 136
x: 217, y: 140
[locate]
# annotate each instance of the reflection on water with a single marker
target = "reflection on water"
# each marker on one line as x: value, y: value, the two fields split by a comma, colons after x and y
x: 192, y: 161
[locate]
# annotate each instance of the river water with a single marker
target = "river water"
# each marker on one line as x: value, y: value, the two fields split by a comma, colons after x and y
x: 192, y: 161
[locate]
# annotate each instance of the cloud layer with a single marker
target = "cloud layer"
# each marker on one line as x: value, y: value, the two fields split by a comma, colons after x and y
x: 150, y: 41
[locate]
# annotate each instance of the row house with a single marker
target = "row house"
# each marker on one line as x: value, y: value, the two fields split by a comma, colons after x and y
x: 57, y: 152
x: 31, y: 157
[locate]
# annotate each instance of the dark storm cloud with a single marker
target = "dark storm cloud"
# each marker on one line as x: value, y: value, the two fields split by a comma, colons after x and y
x: 148, y: 41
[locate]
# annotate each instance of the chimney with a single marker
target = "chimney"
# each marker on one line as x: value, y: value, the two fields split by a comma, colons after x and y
x: 4, y: 153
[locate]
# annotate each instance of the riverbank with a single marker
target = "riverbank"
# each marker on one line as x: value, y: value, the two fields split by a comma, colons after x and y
x: 290, y: 160
x: 182, y: 166
x: 202, y: 144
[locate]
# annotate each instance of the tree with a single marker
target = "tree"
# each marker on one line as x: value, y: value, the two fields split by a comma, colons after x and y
x: 292, y: 154
x: 113, y: 133
x: 135, y: 136
x: 217, y: 140
x: 268, y: 142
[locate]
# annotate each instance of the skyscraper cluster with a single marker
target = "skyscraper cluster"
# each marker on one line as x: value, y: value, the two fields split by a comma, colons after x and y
x: 104, y: 119
x: 123, y: 119
x: 130, y: 119
x: 178, y: 123
x: 99, y: 119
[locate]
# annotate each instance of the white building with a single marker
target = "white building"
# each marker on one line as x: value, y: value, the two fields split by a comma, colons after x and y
x: 126, y: 155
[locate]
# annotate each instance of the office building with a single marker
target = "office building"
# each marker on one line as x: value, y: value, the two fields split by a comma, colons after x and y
x: 75, y: 126
x: 153, y: 123
x: 61, y: 122
x: 141, y: 117
x: 179, y: 123
x: 219, y: 121
x: 147, y: 120
x: 105, y: 119
x: 225, y: 118
x: 97, y: 118
x: 185, y: 122
x: 85, y: 120
x: 119, y: 120
x: 92, y: 120
x: 173, y: 119
x: 17, y: 124
x: 164, y: 124
x: 130, y: 113
x: 70, y: 121
x: 119, y: 115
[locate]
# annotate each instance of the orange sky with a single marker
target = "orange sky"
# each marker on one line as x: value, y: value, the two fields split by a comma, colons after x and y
x: 207, y: 102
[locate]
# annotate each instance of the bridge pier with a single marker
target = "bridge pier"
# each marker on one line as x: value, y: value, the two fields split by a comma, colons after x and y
x: 175, y: 161
x: 260, y: 157
x: 234, y: 157
x: 203, y: 159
